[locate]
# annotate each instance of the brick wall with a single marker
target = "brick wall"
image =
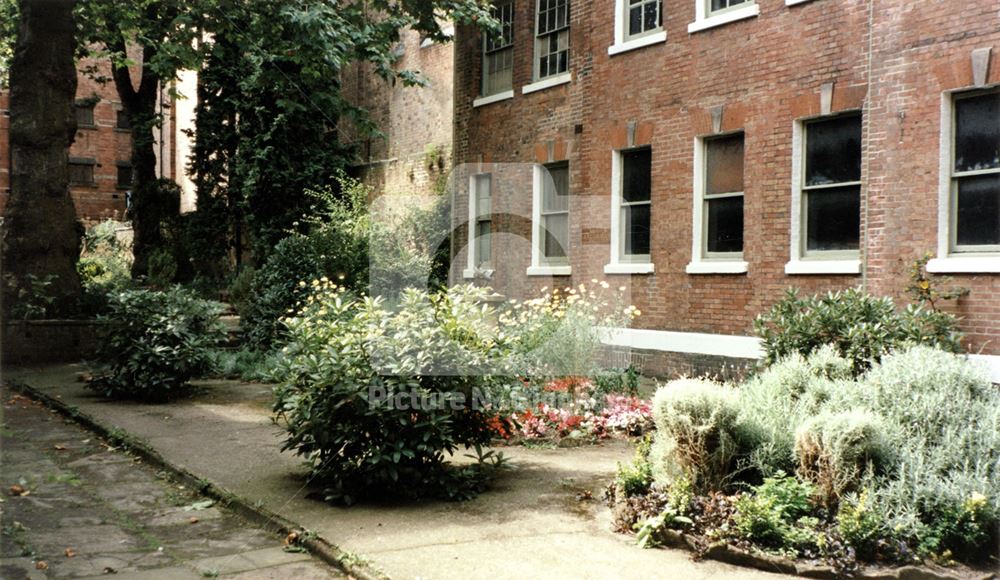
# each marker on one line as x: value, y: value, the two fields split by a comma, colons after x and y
x: 765, y: 73
x: 415, y: 149
x: 103, y: 143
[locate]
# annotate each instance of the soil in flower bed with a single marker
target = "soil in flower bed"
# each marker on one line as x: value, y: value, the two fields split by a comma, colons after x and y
x: 708, y: 529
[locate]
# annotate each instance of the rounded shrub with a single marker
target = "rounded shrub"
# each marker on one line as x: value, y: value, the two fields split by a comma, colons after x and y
x: 861, y: 327
x: 378, y: 399
x: 334, y: 252
x: 153, y: 342
x: 697, y: 436
x: 835, y: 449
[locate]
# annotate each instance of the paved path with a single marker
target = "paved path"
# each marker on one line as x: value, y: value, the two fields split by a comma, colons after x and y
x: 530, y: 525
x: 74, y: 507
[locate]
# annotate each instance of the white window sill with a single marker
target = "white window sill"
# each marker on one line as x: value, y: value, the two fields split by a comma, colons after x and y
x: 646, y: 268
x: 470, y: 273
x: 547, y: 83
x: 640, y: 42
x: 719, y: 267
x: 965, y: 265
x: 794, y: 2
x: 493, y: 98
x: 550, y: 271
x: 823, y: 267
x: 724, y: 18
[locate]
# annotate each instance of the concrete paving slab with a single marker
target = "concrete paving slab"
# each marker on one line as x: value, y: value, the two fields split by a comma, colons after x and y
x: 528, y: 525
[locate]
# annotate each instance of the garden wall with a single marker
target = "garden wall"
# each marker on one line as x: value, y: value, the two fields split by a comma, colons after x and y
x: 47, y: 341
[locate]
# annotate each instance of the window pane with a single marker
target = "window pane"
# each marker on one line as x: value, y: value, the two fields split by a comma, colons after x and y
x: 651, y: 15
x: 121, y: 120
x: 124, y: 176
x: 718, y: 5
x: 636, y: 219
x: 833, y: 219
x: 84, y: 115
x: 483, y: 247
x: 636, y: 166
x: 555, y: 191
x: 724, y: 164
x: 82, y: 173
x: 635, y: 20
x: 556, y: 235
x: 977, y: 132
x: 725, y: 224
x: 978, y: 220
x: 833, y: 151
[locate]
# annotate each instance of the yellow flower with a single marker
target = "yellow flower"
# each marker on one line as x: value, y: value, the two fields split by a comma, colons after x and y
x: 302, y: 283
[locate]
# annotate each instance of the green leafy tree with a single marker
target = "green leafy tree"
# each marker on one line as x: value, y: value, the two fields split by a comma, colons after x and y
x: 147, y: 42
x: 271, y: 107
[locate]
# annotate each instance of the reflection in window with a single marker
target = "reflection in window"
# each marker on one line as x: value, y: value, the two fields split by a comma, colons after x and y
x: 976, y: 173
x: 831, y: 188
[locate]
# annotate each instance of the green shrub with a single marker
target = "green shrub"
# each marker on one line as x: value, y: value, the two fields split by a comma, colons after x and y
x: 965, y: 530
x: 777, y: 400
x: 944, y: 415
x: 241, y: 288
x: 616, y: 381
x: 558, y: 334
x: 351, y: 372
x: 861, y: 526
x: 696, y: 433
x: 332, y: 252
x: 835, y: 449
x: 636, y: 477
x: 154, y: 342
x: 776, y: 514
x: 861, y: 327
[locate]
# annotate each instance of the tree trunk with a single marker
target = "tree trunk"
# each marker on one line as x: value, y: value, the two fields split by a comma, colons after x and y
x: 41, y: 234
x: 153, y: 203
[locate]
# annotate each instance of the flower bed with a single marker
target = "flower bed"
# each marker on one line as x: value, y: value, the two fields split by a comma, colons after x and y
x: 590, y: 416
x: 805, y: 463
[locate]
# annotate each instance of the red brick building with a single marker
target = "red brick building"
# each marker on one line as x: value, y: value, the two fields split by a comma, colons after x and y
x: 100, y: 166
x: 709, y: 154
x: 414, y: 152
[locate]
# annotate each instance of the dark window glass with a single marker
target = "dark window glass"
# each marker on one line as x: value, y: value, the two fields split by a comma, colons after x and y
x: 124, y: 175
x: 725, y: 224
x: 643, y: 16
x: 121, y: 120
x: 977, y: 132
x: 723, y: 4
x: 724, y: 175
x: 978, y: 220
x: 81, y: 173
x: 833, y: 218
x: 636, y: 229
x: 84, y: 115
x: 724, y: 164
x: 636, y: 167
x: 833, y: 151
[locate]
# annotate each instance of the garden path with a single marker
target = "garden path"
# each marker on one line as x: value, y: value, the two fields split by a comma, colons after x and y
x: 537, y: 521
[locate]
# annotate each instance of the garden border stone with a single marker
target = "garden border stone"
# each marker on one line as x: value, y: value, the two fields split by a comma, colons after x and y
x: 726, y: 553
x: 255, y: 514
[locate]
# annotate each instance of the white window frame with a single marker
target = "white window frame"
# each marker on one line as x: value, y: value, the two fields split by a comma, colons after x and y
x: 540, y: 265
x: 702, y: 261
x: 817, y: 262
x: 473, y: 264
x: 705, y: 18
x: 949, y: 259
x: 538, y: 40
x: 620, y: 263
x: 486, y: 98
x: 623, y: 41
